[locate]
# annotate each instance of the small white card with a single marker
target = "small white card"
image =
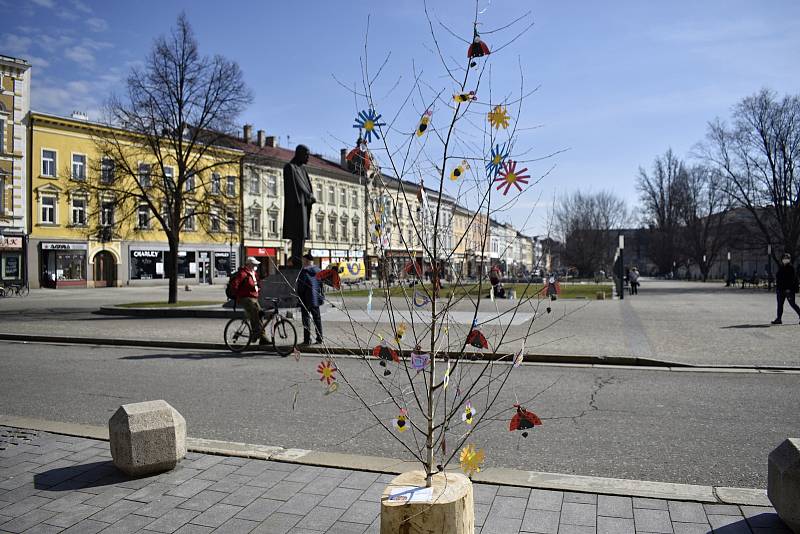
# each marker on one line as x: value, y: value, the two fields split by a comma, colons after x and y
x: 411, y: 494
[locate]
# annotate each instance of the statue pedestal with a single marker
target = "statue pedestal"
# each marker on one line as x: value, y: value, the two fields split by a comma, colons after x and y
x: 280, y: 285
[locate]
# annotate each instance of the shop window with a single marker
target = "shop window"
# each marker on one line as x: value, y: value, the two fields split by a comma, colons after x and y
x: 147, y: 264
x: 12, y: 266
x: 79, y: 211
x: 273, y: 224
x: 230, y: 188
x: 187, y: 268
x: 143, y: 216
x: 272, y: 184
x: 49, y: 163
x: 107, y: 171
x: 79, y: 167
x: 144, y: 174
x: 215, y: 187
x: 106, y: 213
x: 255, y: 222
x: 222, y: 264
x: 48, y: 214
x: 70, y: 266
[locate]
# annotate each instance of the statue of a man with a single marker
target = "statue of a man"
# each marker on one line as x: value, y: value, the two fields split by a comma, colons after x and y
x: 298, y: 199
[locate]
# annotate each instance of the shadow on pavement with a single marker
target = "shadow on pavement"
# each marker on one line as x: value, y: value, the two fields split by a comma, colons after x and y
x: 764, y: 522
x: 79, y: 476
x: 742, y: 326
x: 249, y: 354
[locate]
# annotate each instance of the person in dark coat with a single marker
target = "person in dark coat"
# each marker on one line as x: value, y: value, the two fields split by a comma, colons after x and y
x: 309, y: 289
x: 297, y: 201
x: 785, y: 287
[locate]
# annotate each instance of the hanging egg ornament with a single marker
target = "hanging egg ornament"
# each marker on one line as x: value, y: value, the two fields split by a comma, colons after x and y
x: 422, y: 127
x: 465, y: 97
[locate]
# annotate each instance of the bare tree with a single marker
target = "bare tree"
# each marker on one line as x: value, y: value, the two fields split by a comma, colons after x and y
x: 663, y: 195
x: 160, y: 150
x: 585, y: 223
x: 758, y: 154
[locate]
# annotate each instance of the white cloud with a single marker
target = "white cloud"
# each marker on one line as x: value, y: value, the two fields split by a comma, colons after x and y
x: 79, y: 54
x: 44, y: 3
x: 97, y: 24
x: 15, y: 44
x: 80, y: 6
x: 38, y: 62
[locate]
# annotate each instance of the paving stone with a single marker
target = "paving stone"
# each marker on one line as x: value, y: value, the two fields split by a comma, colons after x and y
x: 150, y: 492
x: 359, y: 480
x: 732, y: 524
x: 289, y: 467
x: 481, y: 513
x: 235, y: 460
x: 305, y: 473
x: 129, y: 524
x: 687, y: 512
x: 546, y: 500
x: 218, y: 472
x: 216, y: 515
x: 62, y: 504
x: 283, y: 491
x: 614, y: 506
x: 513, y: 507
x: 135, y: 483
x: 339, y: 473
x: 300, y: 503
x: 762, y: 517
x: 582, y: 498
x: 320, y: 518
x: 259, y: 509
x: 77, y: 513
x: 341, y: 527
x: 362, y: 512
x: 615, y: 525
x: 190, y: 488
x: 179, y: 475
x: 243, y: 496
x: 575, y: 529
x: 270, y: 478
x: 230, y: 483
x: 277, y: 524
x: 25, y: 505
x: 44, y: 528
x: 205, y: 461
x: 160, y: 506
x: 193, y: 529
x: 203, y: 500
x: 722, y: 509
x: 341, y: 498
x: 513, y: 491
x: 26, y: 520
x: 27, y: 489
x: 117, y: 511
x: 573, y: 513
x: 237, y: 526
x: 690, y: 528
x: 770, y: 531
x: 498, y: 524
x: 252, y: 468
x: 299, y: 530
x: 172, y: 521
x: 540, y: 521
x: 484, y: 493
x: 324, y: 485
x: 648, y: 520
x: 109, y: 496
x: 651, y: 504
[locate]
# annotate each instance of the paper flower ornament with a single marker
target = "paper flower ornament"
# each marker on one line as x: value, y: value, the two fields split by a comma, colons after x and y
x: 509, y: 175
x: 523, y: 420
x: 465, y: 97
x: 499, y: 118
x: 469, y: 413
x: 471, y: 459
x: 459, y: 170
x: 327, y: 372
x: 496, y: 159
x: 400, y: 422
x: 368, y: 121
x: 422, y: 127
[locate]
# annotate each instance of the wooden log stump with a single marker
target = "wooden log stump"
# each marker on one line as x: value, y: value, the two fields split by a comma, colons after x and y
x: 447, y: 510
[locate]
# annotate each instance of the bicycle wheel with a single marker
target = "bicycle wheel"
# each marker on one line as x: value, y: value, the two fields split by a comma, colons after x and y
x: 24, y: 291
x: 284, y: 337
x: 237, y: 334
x: 8, y: 291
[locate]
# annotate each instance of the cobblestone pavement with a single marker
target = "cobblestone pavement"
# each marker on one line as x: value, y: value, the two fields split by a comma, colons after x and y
x: 55, y: 483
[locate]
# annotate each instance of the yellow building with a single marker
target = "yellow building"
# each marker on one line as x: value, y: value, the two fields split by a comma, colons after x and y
x: 79, y: 235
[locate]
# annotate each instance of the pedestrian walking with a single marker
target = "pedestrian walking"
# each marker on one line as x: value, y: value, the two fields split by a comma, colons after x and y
x: 634, y: 280
x: 785, y: 287
x: 309, y: 289
x: 245, y: 287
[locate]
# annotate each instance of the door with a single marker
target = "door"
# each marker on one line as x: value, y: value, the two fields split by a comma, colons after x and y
x: 105, y: 269
x: 204, y: 268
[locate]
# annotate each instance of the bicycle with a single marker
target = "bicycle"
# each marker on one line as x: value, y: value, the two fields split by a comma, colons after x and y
x: 283, y: 336
x: 19, y: 290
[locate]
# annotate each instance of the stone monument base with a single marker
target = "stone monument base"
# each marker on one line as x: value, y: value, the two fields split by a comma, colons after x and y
x: 280, y: 285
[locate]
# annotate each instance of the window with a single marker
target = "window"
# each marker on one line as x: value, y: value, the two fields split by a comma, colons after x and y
x: 189, y: 181
x: 78, y: 167
x: 321, y: 195
x: 230, y: 188
x: 2, y: 193
x: 144, y: 174
x: 320, y: 227
x: 343, y: 197
x: 255, y: 222
x: 332, y: 227
x: 331, y: 194
x: 143, y: 216
x: 255, y: 183
x: 354, y: 199
x: 273, y: 224
x: 231, y: 221
x: 169, y: 178
x: 399, y: 210
x: 2, y: 136
x: 214, y: 221
x: 215, y: 187
x: 165, y: 215
x: 107, y: 170
x: 48, y: 215
x: 272, y: 185
x: 79, y: 211
x: 356, y: 233
x: 344, y: 228
x: 49, y: 163
x: 107, y: 213
x: 188, y: 223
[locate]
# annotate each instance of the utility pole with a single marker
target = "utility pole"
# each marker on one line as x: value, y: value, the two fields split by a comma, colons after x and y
x: 621, y: 267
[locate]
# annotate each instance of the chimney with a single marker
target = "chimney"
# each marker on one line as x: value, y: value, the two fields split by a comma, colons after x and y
x: 248, y: 132
x: 343, y: 158
x: 272, y: 141
x: 261, y: 139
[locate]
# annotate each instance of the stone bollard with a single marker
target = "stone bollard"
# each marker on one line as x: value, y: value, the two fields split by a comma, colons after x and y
x: 147, y: 437
x: 783, y: 482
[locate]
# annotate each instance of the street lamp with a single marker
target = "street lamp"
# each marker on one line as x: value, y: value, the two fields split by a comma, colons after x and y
x: 769, y: 266
x: 705, y: 268
x: 621, y: 267
x: 728, y: 283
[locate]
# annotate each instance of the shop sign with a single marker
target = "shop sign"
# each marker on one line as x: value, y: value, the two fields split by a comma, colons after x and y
x: 261, y: 251
x: 10, y: 242
x: 320, y: 252
x: 356, y: 253
x: 65, y: 246
x: 340, y: 253
x: 146, y: 253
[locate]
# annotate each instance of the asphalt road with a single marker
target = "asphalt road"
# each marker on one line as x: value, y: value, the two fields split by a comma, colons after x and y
x: 688, y: 427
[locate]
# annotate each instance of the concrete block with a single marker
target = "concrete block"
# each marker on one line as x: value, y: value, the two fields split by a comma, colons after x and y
x: 147, y: 437
x: 783, y: 482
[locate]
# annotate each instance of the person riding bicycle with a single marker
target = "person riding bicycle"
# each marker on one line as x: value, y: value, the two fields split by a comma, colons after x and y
x: 245, y: 287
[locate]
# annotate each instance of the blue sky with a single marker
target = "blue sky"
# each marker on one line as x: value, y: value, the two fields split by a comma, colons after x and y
x: 618, y: 82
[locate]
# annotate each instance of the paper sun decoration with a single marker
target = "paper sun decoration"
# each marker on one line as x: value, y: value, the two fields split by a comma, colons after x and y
x: 420, y: 360
x: 523, y: 420
x: 509, y: 176
x: 471, y: 459
x: 499, y: 118
x: 459, y: 170
x: 400, y: 423
x: 330, y: 276
x: 327, y: 372
x: 477, y: 339
x: 465, y: 97
x: 469, y: 413
x: 368, y: 121
x: 496, y: 159
x: 422, y: 127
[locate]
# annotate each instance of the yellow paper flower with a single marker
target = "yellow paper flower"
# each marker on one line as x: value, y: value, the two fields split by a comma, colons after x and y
x: 471, y: 459
x: 499, y: 118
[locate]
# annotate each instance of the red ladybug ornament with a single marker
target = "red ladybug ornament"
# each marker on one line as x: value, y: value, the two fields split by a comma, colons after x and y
x: 523, y: 420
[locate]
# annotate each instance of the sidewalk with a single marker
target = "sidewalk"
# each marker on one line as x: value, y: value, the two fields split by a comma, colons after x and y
x: 57, y: 483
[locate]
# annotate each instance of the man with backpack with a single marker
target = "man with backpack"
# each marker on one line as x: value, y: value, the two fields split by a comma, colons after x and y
x: 243, y: 289
x: 309, y: 289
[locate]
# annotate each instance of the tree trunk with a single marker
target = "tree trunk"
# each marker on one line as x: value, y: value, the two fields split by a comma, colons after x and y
x: 172, y: 269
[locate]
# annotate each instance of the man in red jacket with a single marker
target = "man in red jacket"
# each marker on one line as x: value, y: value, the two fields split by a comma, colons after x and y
x: 245, y: 286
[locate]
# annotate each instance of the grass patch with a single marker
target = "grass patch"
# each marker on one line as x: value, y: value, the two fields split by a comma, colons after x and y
x: 179, y: 304
x: 568, y: 291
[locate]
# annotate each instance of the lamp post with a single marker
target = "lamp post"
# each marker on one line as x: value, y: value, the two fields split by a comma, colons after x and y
x: 621, y: 267
x: 704, y: 268
x: 769, y: 266
x: 728, y: 283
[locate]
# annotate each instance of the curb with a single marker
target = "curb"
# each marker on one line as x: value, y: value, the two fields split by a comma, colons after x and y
x: 497, y: 476
x: 194, y: 312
